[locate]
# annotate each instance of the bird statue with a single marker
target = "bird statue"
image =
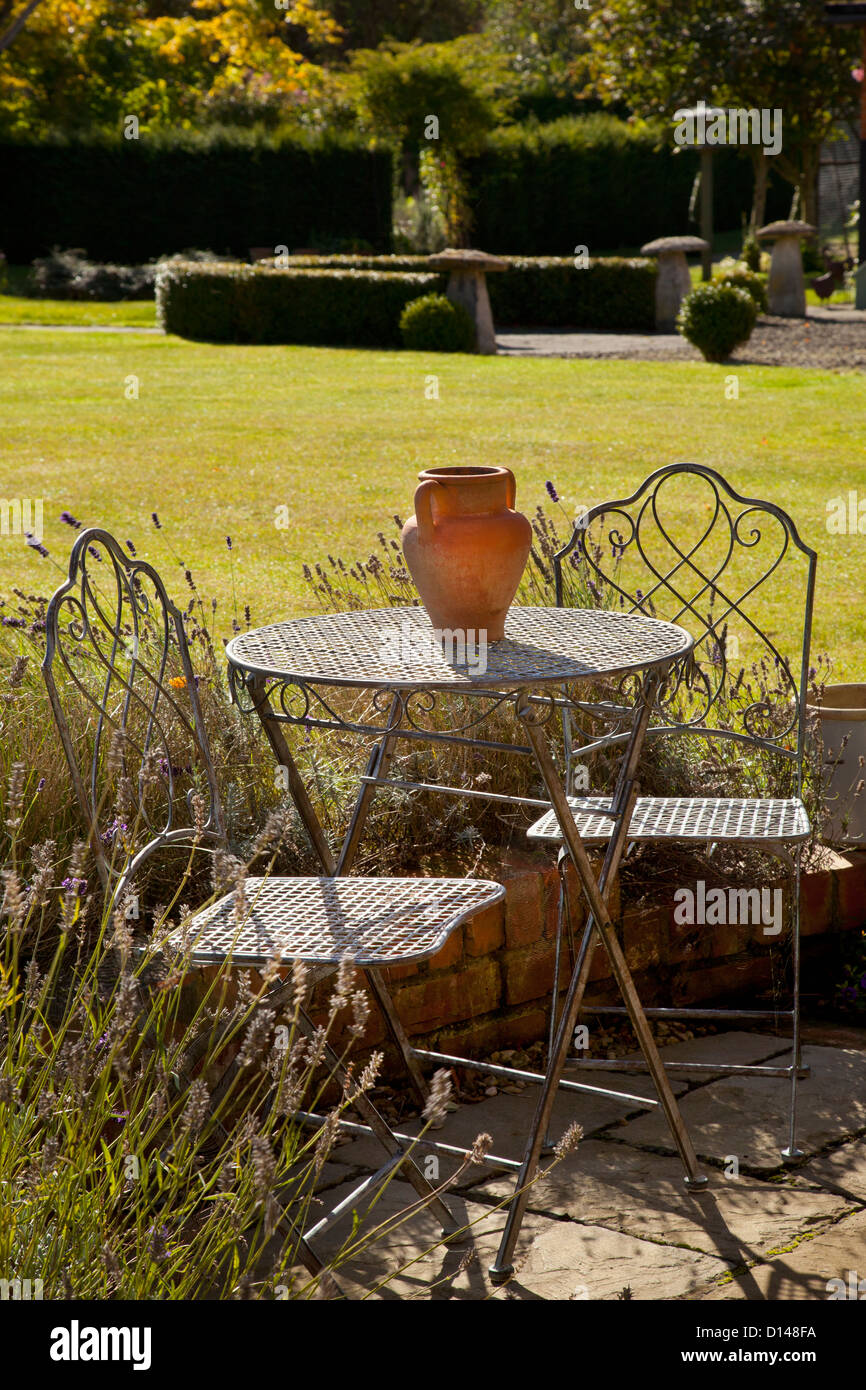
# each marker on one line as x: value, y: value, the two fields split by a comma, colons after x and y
x: 824, y: 285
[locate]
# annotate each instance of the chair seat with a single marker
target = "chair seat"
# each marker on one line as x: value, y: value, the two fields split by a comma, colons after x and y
x: 686, y: 818
x: 377, y: 921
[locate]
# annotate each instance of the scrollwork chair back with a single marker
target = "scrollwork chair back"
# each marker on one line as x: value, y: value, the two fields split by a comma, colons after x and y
x: 136, y: 745
x: 686, y: 548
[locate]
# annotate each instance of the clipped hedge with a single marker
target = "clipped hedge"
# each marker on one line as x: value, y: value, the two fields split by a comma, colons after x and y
x: 542, y: 291
x: 600, y: 182
x: 550, y: 292
x: 129, y: 201
x: 230, y: 303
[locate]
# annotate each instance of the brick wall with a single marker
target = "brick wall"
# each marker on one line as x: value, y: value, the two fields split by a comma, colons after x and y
x: 490, y: 985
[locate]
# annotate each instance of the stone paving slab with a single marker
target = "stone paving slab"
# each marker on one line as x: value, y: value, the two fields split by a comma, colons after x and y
x: 554, y: 1259
x: 643, y: 1195
x: 804, y: 1271
x: 842, y: 1172
x: 747, y: 1116
x: 615, y: 1215
x: 508, y: 1117
x: 734, y: 1048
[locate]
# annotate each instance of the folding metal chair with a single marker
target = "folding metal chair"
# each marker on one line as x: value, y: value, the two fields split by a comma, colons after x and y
x: 120, y: 647
x: 687, y: 548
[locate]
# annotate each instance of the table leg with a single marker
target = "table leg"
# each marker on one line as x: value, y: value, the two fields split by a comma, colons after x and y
x: 378, y: 764
x: 599, y: 922
x: 298, y: 792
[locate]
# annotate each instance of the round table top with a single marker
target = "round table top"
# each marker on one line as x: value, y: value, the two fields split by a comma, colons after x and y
x: 398, y: 649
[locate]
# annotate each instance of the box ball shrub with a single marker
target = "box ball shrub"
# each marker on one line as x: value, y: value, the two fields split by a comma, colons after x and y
x: 434, y: 323
x: 748, y: 280
x: 716, y: 319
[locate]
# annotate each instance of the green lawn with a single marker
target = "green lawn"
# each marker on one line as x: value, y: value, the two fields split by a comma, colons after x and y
x: 221, y: 437
x: 127, y: 313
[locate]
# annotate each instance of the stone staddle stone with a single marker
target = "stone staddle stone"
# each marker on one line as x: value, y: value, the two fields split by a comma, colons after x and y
x: 673, y: 282
x: 786, y: 291
x: 467, y: 285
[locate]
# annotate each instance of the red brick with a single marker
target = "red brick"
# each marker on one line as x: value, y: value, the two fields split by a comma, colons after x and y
x: 437, y: 1000
x: 451, y: 953
x: 645, y: 937
x: 485, y: 932
x: 524, y: 910
x: 404, y: 972
x: 816, y: 903
x: 851, y: 891
x: 520, y: 1029
x: 528, y: 974
x: 475, y: 1038
x: 600, y: 968
x: 735, y: 978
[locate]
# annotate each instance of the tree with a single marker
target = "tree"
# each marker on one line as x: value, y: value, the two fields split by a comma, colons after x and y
x: 90, y: 63
x: 11, y: 25
x: 439, y: 99
x: 660, y: 55
x: 398, y: 86
x: 367, y: 23
x: 544, y: 41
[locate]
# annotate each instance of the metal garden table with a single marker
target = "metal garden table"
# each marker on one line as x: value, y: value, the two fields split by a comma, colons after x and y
x: 288, y: 673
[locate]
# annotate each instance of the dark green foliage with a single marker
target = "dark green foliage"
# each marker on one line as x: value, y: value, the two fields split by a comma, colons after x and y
x: 813, y: 261
x: 232, y: 303
x: 716, y: 319
x: 755, y: 285
x: 596, y: 181
x: 550, y: 292
x: 751, y: 252
x: 542, y: 291
x: 129, y: 201
x: 70, y: 275
x: 435, y: 324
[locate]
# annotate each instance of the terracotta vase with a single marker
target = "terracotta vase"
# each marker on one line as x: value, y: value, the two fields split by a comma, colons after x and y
x: 466, y: 547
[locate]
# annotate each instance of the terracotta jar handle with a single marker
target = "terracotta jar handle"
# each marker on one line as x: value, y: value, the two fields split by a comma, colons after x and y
x: 510, y: 490
x: 424, y: 508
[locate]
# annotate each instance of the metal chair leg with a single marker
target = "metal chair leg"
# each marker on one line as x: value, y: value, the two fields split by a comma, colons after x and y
x: 792, y: 1152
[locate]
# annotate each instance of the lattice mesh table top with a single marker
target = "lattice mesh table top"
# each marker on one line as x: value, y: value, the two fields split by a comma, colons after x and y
x: 686, y: 818
x: 377, y: 921
x: 396, y: 648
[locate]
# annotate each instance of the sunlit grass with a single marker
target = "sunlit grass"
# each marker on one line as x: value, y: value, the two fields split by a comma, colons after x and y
x: 221, y: 438
x: 126, y: 314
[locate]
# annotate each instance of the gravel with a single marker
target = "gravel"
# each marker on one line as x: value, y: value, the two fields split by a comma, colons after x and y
x: 833, y: 340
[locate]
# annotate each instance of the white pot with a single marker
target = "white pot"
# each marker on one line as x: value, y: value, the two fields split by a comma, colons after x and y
x: 842, y: 712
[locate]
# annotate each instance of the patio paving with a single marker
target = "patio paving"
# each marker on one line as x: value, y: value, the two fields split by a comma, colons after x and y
x: 615, y: 1215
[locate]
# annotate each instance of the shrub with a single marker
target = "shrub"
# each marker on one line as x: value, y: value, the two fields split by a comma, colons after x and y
x: 434, y: 324
x: 552, y: 292
x: 70, y: 275
x: 542, y: 291
x: 227, y: 302
x: 751, y: 252
x: 134, y: 200
x: 717, y: 318
x: 738, y: 275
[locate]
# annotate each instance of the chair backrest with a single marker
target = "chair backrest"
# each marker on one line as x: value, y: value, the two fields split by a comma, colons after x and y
x: 733, y: 571
x: 135, y: 740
